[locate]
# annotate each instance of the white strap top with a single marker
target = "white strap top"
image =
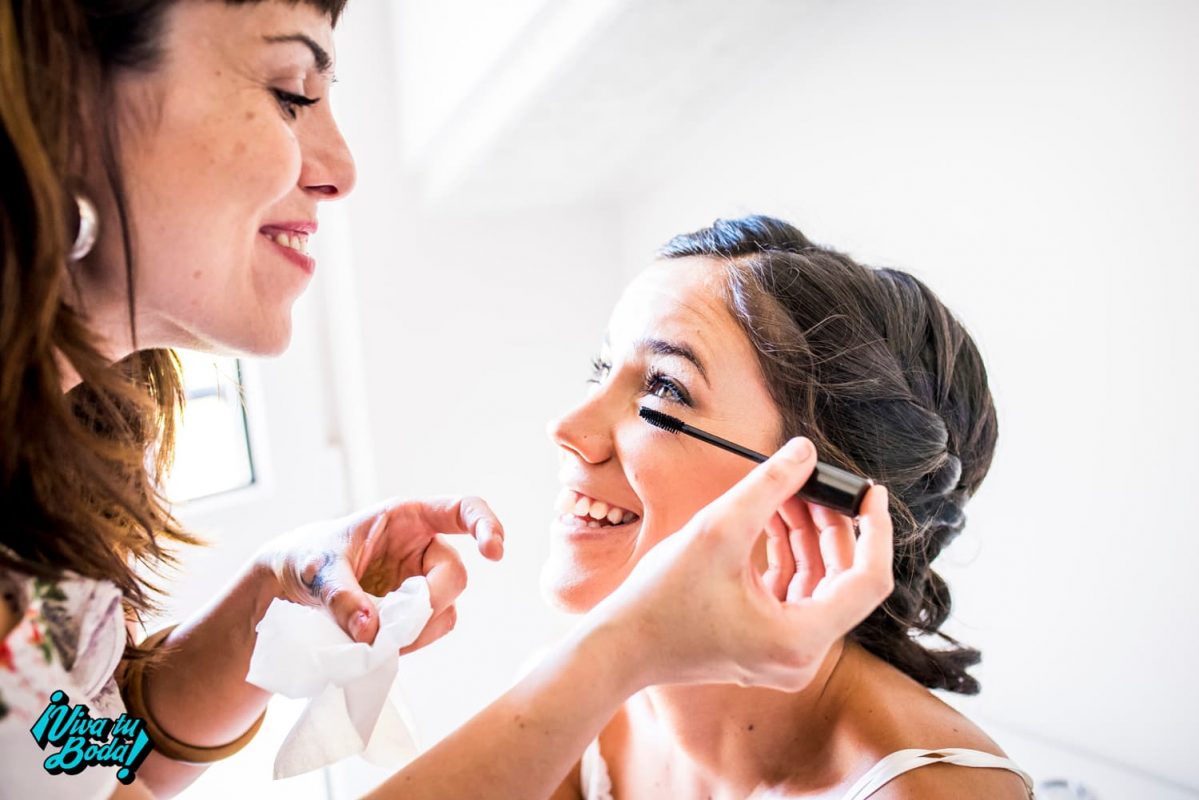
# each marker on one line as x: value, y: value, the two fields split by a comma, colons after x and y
x: 593, y: 774
x: 597, y: 784
x: 902, y: 761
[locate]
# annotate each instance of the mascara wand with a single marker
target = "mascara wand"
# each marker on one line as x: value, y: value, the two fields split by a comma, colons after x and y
x: 829, y: 486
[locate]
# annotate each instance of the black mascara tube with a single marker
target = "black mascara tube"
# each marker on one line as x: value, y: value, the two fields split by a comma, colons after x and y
x: 829, y: 486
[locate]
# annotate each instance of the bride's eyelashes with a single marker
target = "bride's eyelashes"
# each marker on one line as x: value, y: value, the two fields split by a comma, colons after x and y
x: 599, y: 369
x: 661, y: 385
x: 657, y: 383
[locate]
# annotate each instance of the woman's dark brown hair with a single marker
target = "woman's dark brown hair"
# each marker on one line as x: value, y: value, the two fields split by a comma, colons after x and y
x: 871, y: 367
x: 80, y: 471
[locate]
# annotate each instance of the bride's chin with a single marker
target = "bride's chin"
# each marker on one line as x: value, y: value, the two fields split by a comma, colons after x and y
x: 571, y: 591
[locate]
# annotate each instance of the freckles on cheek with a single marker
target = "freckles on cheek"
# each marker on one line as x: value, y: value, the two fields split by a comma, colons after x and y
x: 264, y: 154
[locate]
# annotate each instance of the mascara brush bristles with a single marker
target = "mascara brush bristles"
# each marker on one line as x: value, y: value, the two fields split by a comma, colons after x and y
x: 663, y: 421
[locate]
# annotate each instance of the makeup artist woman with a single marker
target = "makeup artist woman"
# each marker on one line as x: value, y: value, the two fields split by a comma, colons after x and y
x: 162, y: 166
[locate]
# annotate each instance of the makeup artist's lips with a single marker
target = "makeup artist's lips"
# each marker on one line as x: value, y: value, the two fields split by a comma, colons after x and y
x: 291, y: 240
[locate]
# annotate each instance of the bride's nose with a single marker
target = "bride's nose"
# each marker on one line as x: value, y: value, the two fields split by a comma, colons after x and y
x: 584, y: 432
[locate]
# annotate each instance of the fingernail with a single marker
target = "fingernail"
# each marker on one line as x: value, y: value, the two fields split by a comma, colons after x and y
x: 803, y: 448
x: 358, y: 625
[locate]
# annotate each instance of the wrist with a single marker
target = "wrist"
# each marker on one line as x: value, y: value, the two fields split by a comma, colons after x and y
x: 615, y: 644
x: 263, y: 585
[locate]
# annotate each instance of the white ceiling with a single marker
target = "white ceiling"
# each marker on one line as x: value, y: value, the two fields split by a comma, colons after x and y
x: 562, y: 112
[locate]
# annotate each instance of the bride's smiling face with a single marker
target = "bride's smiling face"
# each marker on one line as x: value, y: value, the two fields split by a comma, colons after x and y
x: 673, y: 346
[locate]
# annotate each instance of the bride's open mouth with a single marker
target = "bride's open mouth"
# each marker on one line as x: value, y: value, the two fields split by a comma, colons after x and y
x: 577, y: 511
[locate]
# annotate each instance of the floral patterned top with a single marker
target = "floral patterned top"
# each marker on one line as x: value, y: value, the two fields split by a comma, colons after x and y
x: 70, y: 636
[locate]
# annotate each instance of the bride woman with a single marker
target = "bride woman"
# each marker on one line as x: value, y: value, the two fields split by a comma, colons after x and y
x: 750, y: 331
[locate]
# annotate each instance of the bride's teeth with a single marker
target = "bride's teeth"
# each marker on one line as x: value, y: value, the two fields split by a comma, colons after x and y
x: 593, y: 513
x: 281, y: 238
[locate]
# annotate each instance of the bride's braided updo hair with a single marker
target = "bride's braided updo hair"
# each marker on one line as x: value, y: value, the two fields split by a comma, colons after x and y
x: 870, y: 366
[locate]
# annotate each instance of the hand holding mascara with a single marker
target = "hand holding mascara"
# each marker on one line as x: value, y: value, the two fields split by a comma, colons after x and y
x: 829, y: 486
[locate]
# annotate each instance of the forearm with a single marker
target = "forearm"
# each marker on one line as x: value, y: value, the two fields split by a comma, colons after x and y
x: 524, y: 744
x: 198, y: 692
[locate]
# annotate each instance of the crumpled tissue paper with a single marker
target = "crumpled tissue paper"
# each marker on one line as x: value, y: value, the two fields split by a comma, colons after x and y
x: 301, y: 652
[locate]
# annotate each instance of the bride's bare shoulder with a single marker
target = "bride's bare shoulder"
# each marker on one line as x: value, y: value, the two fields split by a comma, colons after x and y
x: 892, y: 712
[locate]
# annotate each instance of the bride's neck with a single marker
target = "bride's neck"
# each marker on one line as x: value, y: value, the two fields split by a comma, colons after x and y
x: 748, y: 738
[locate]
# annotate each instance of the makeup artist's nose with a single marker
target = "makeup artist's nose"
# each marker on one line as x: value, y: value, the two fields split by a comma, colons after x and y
x: 576, y: 433
x: 327, y: 169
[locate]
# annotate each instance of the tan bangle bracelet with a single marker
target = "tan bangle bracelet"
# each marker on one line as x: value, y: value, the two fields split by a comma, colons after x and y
x: 164, y: 743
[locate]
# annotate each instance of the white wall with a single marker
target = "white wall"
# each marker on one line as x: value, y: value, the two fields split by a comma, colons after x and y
x: 444, y: 49
x: 1033, y: 162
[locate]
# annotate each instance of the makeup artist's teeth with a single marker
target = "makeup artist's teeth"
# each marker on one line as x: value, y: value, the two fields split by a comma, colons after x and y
x: 293, y: 241
x: 591, y: 513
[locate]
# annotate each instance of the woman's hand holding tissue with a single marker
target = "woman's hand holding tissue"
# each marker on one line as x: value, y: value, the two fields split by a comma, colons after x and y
x: 201, y: 692
x: 696, y: 610
x: 337, y: 563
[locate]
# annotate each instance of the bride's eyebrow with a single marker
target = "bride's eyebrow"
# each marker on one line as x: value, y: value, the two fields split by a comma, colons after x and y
x: 681, y: 349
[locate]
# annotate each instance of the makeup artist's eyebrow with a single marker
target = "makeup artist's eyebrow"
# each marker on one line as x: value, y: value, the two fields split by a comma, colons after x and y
x: 664, y: 348
x: 324, y: 63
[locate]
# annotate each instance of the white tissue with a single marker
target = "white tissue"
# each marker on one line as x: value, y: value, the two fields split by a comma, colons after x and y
x: 302, y: 653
